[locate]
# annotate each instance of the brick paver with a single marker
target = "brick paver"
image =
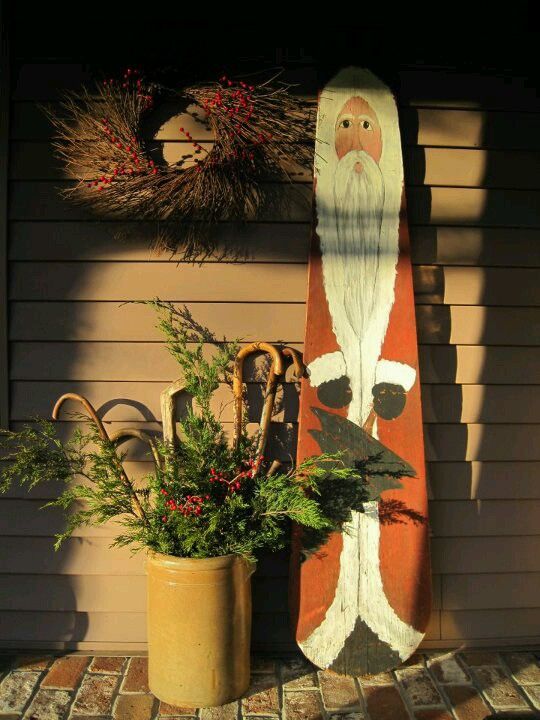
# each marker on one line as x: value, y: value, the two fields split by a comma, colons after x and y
x: 134, y: 707
x: 524, y: 667
x: 297, y: 674
x: 111, y: 665
x: 384, y: 702
x: 533, y: 693
x: 385, y: 678
x: 225, y: 712
x: 65, y: 673
x: 95, y: 695
x: 303, y: 706
x: 419, y: 687
x: 167, y: 711
x: 447, y: 670
x: 137, y: 676
x: 339, y: 692
x: 467, y: 703
x: 498, y: 689
x: 433, y: 714
x: 32, y: 662
x: 16, y: 690
x: 437, y: 686
x: 480, y: 657
x: 262, y: 696
x: 49, y: 704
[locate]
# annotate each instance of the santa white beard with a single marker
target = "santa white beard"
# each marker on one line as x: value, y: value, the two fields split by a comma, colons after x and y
x: 357, y: 272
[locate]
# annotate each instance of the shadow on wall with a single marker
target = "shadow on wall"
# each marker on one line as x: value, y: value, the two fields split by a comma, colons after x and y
x: 474, y: 229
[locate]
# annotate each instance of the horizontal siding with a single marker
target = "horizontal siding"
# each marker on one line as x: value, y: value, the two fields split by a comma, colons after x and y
x: 473, y: 194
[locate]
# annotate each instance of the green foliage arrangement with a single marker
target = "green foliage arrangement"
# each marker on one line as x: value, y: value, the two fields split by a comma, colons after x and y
x: 205, y: 497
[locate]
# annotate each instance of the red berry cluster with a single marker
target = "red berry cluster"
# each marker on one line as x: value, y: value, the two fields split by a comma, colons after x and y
x: 132, y: 81
x: 198, y: 148
x: 192, y: 505
x: 236, y: 100
x: 220, y: 477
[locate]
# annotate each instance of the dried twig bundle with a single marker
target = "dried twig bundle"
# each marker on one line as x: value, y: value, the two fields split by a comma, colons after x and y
x: 261, y: 134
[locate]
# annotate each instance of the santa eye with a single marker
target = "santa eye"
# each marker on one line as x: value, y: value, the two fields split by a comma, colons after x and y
x: 366, y: 125
x: 345, y: 124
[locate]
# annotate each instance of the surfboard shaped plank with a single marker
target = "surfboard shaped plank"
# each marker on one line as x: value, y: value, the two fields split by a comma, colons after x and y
x: 361, y: 603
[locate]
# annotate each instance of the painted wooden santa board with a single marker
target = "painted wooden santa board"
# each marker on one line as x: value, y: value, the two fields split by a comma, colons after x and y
x: 362, y: 602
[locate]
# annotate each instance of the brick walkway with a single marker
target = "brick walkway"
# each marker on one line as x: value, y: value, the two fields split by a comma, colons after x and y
x: 434, y: 686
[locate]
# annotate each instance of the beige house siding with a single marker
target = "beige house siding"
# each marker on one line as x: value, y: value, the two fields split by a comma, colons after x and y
x: 473, y: 190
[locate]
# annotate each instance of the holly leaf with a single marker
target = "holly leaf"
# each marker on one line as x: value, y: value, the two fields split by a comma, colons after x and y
x: 381, y: 467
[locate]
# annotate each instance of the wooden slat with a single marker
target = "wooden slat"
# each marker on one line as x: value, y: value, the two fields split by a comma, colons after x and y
x: 481, y: 403
x: 484, y: 480
x: 448, y: 88
x: 114, y: 281
x: 423, y: 166
x: 135, y: 402
x: 490, y: 591
x: 41, y: 200
x: 128, y: 281
x: 111, y: 321
x: 468, y: 206
x: 493, y: 624
x: 482, y: 442
x: 476, y: 286
x: 476, y: 246
x: 465, y: 128
x: 260, y: 242
x: 470, y: 518
x: 464, y: 556
x: 480, y: 365
x: 478, y: 325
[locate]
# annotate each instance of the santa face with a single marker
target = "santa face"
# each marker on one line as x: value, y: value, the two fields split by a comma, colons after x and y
x: 357, y: 128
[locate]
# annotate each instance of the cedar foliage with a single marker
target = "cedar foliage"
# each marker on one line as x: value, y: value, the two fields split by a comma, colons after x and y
x: 204, y: 498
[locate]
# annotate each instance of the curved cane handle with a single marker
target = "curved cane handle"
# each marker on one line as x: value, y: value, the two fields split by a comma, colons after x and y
x: 121, y: 435
x: 277, y: 365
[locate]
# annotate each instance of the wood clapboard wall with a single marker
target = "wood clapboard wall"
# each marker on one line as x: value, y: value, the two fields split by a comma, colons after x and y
x: 471, y: 152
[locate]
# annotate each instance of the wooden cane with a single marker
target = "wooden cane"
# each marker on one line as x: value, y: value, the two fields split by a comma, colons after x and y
x: 135, y: 503
x: 276, y: 369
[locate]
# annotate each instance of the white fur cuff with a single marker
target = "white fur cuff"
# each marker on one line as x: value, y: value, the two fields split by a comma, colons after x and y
x: 326, y: 367
x: 390, y: 371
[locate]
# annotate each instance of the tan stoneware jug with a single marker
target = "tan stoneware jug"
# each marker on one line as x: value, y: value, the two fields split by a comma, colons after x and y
x: 199, y: 628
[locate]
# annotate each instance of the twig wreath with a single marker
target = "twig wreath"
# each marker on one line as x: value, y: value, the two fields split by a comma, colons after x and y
x: 260, y: 134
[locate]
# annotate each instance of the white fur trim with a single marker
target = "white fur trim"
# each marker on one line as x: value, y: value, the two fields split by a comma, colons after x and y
x: 326, y: 367
x: 390, y: 371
